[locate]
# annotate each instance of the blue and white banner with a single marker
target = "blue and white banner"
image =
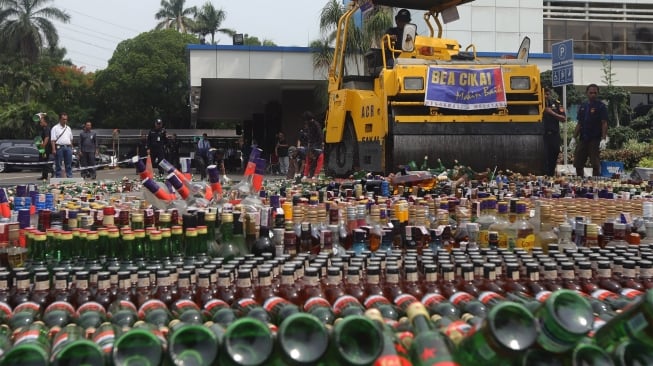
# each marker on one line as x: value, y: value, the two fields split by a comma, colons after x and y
x: 466, y: 89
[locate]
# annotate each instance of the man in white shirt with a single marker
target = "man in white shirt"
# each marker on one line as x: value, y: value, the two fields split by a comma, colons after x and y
x: 61, y: 137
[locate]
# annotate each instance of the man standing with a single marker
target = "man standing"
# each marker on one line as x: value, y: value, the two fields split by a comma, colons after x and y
x: 315, y: 139
x: 591, y: 132
x: 156, y: 144
x: 44, y: 157
x: 88, y: 150
x: 553, y: 115
x: 282, y: 153
x: 173, y: 150
x: 61, y: 140
x: 202, y: 154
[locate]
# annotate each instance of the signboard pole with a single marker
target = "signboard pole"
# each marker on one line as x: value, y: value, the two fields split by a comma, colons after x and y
x: 562, y: 73
x: 564, y: 106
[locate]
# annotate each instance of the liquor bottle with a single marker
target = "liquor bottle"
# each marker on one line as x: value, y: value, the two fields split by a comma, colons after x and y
x: 508, y: 330
x: 141, y: 345
x: 40, y: 293
x: 333, y: 288
x: 90, y: 315
x: 264, y: 289
x: 487, y: 217
x: 60, y: 291
x: 192, y: 344
x: 373, y: 282
x: 31, y: 346
x: 448, y: 284
x: 630, y: 324
x: 21, y: 290
x: 565, y: 318
x: 632, y: 353
x: 646, y: 273
x: 545, y: 235
x: 512, y: 279
x: 247, y: 341
x: 293, y: 347
x: 163, y: 290
x: 466, y: 284
x: 70, y: 347
x: 355, y: 340
x: 521, y: 232
x: 393, y: 352
x: 123, y: 314
x: 628, y: 279
x: 58, y: 314
x: 264, y: 244
x: 82, y: 292
x: 392, y: 286
x: 589, y: 354
x: 429, y: 346
x: 501, y: 224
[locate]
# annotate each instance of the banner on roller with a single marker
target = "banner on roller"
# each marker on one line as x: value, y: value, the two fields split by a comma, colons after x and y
x: 466, y: 89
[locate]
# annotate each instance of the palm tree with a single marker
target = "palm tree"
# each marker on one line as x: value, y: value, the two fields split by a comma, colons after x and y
x: 175, y: 16
x: 25, y: 26
x: 208, y: 21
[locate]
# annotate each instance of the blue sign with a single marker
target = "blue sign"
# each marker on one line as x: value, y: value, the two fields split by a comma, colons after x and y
x: 465, y: 89
x: 562, y: 63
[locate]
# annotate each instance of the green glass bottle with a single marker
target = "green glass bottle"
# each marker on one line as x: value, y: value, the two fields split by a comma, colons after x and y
x: 191, y: 239
x: 507, y: 331
x: 103, y: 242
x: 393, y: 352
x: 67, y: 245
x: 247, y: 342
x: 140, y: 244
x: 539, y: 357
x: 632, y: 353
x: 192, y: 344
x: 5, y: 339
x: 355, y: 341
x: 429, y: 346
x: 137, y: 221
x: 58, y: 314
x: 176, y: 240
x: 37, y: 250
x: 211, y: 243
x: 302, y: 340
x: 31, y: 347
x: 127, y: 249
x: 166, y: 235
x: 565, y: 318
x: 202, y: 240
x: 113, y: 243
x: 123, y: 313
x: 142, y: 345
x: 156, y: 250
x: 589, y: 354
x: 69, y: 347
x: 90, y: 315
x: 92, y: 243
x: 105, y: 337
x: 634, y: 323
x: 228, y: 248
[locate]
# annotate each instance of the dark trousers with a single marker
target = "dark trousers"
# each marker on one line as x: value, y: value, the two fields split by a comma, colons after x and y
x: 584, y: 149
x: 157, y: 155
x: 88, y: 160
x: 47, y: 165
x: 551, y: 152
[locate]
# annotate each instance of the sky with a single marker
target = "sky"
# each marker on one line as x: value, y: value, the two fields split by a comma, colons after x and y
x: 96, y: 27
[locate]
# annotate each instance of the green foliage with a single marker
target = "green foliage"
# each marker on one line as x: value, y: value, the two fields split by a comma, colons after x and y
x: 147, y: 78
x: 616, y: 96
x: 630, y: 154
x: 17, y: 120
x: 620, y: 136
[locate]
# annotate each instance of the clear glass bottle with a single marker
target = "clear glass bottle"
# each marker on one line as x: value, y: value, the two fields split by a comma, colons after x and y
x: 521, y: 232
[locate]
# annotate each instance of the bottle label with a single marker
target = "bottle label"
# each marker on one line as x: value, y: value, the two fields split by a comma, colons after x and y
x: 637, y: 324
x: 315, y: 302
x: 392, y: 360
x: 458, y: 330
x: 90, y: 306
x: 185, y: 305
x: 59, y: 339
x: 343, y: 302
x: 542, y: 296
x: 215, y: 304
x: 526, y: 242
x: 432, y: 299
x: 404, y: 300
x: 598, y: 323
x: 460, y: 297
x: 487, y: 296
x: 272, y: 303
x: 27, y: 335
x: 105, y: 337
x: 27, y: 306
x: 60, y: 305
x: 604, y: 294
x: 631, y: 293
x: 150, y: 305
x: 374, y: 300
x: 246, y: 303
x: 6, y: 309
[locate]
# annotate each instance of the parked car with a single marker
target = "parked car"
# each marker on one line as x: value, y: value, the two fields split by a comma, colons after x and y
x: 22, y: 157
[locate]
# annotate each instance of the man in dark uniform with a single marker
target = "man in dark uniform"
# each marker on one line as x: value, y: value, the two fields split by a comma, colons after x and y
x: 44, y: 157
x: 396, y: 34
x: 591, y: 132
x: 173, y: 150
x: 156, y: 143
x: 554, y: 113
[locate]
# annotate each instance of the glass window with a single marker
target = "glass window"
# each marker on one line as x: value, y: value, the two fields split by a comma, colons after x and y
x: 579, y: 32
x: 600, y: 37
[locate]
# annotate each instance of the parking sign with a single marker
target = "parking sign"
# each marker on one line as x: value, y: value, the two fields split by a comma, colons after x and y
x: 562, y: 63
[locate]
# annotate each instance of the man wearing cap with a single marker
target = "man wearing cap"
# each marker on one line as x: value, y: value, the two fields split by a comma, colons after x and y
x: 396, y: 33
x: 61, y: 140
x: 44, y: 158
x: 157, y: 140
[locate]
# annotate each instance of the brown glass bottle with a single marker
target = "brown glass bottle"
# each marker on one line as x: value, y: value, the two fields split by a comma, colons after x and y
x: 568, y: 277
x: 20, y: 293
x: 203, y: 290
x: 40, y: 293
x: 604, y: 277
x: 5, y: 291
x: 392, y: 284
x: 466, y: 284
x: 551, y: 280
x: 103, y: 295
x: 244, y: 288
x: 489, y: 279
x: 312, y: 285
x: 354, y: 286
x: 411, y: 283
x: 143, y: 289
x: 124, y: 291
x: 448, y: 283
x: 82, y: 293
x: 512, y: 279
x: 224, y: 289
x: 430, y: 282
x: 287, y: 289
x: 646, y: 273
x: 264, y: 289
x: 184, y: 289
x: 373, y: 281
x: 628, y: 279
x: 334, y: 287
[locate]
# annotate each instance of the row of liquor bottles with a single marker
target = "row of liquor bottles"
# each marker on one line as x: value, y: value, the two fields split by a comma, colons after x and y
x: 557, y: 332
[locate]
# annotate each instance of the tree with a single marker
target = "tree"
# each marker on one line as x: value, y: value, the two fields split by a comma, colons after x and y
x: 208, y: 21
x: 254, y: 41
x: 146, y: 78
x: 617, y: 97
x: 174, y: 15
x: 25, y: 26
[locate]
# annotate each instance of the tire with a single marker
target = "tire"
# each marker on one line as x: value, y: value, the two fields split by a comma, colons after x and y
x: 342, y: 157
